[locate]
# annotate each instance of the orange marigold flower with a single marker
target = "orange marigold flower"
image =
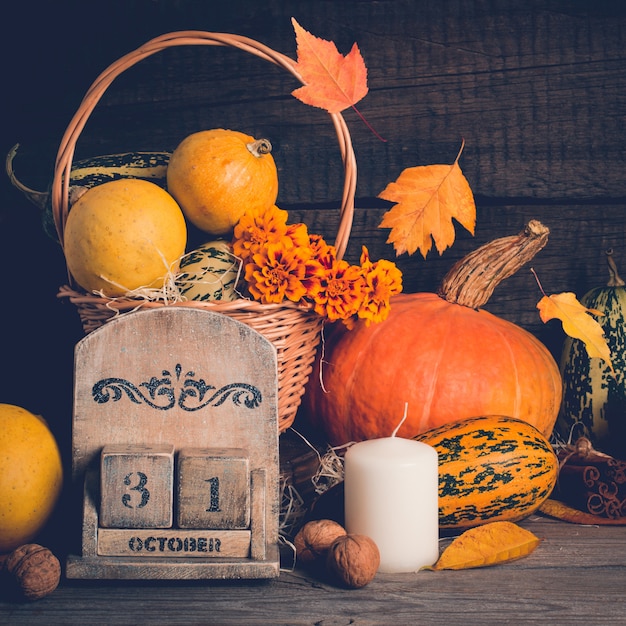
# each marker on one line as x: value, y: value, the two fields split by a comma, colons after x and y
x: 277, y: 272
x: 313, y: 275
x: 322, y: 251
x: 298, y: 234
x: 339, y: 293
x: 256, y: 228
x: 382, y: 280
x: 365, y: 261
x: 283, y: 261
x: 323, y: 257
x: 318, y: 244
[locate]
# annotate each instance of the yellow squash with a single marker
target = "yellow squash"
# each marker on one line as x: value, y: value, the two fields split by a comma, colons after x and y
x: 124, y: 235
x: 31, y: 475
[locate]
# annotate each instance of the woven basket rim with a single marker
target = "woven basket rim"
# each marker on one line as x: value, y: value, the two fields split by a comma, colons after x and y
x: 79, y: 295
x: 65, y: 154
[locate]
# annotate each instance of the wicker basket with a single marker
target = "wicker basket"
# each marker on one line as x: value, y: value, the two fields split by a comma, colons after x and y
x: 293, y: 329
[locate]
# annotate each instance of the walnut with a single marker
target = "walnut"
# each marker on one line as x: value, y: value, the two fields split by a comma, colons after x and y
x: 353, y: 559
x: 315, y: 537
x: 35, y: 570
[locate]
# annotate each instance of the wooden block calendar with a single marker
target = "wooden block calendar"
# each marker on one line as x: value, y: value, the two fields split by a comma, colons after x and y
x: 227, y: 471
x: 175, y: 448
x: 125, y: 499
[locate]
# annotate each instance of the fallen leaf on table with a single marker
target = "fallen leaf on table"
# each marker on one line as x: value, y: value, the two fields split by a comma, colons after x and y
x: 490, y: 544
x: 566, y: 513
x: 427, y: 199
x: 332, y: 82
x: 577, y: 322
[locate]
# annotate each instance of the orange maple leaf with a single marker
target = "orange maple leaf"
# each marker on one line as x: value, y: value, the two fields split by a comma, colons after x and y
x: 332, y: 82
x: 577, y: 322
x: 428, y: 198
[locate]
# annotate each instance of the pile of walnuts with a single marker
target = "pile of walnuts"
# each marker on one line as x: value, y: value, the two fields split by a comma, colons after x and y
x: 351, y: 559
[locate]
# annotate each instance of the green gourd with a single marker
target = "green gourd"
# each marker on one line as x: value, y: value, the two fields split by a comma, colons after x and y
x: 88, y: 173
x: 594, y: 397
x: 491, y: 468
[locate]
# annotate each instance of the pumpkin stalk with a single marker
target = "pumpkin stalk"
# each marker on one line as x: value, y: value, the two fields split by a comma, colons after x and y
x: 472, y: 280
x: 615, y: 279
x: 259, y: 147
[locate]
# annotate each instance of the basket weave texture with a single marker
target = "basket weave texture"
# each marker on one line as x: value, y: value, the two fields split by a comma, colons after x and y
x: 294, y: 329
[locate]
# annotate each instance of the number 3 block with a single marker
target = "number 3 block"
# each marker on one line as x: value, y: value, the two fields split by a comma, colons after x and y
x: 136, y: 489
x: 213, y: 488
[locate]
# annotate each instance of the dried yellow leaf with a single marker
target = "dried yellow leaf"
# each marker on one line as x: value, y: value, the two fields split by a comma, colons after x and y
x: 577, y: 322
x: 490, y: 544
x: 565, y: 512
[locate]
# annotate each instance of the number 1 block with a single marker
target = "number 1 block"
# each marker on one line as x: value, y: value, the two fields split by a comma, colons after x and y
x: 213, y: 488
x: 136, y: 486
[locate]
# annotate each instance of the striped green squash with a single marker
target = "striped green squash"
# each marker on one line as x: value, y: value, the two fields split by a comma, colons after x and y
x: 147, y: 165
x: 88, y: 173
x: 491, y: 468
x: 594, y: 399
x: 209, y: 272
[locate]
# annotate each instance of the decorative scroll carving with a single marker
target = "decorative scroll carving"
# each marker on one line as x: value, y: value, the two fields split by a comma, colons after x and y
x: 183, y: 390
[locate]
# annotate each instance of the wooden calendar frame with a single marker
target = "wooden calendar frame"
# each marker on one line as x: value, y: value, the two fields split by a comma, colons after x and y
x: 193, y: 379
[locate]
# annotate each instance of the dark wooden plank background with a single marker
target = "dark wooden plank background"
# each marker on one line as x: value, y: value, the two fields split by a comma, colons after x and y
x: 537, y: 90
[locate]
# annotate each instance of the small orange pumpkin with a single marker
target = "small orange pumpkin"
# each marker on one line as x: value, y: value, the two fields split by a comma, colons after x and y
x: 216, y: 175
x: 442, y: 355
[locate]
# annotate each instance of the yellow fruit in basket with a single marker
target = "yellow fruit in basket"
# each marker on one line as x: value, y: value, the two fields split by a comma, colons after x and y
x: 123, y: 235
x: 31, y: 475
x: 216, y: 175
x: 209, y: 272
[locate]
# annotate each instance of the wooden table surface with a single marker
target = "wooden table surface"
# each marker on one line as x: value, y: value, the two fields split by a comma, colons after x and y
x: 577, y: 575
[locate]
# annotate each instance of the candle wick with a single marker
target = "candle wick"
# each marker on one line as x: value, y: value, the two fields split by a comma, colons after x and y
x: 406, y: 411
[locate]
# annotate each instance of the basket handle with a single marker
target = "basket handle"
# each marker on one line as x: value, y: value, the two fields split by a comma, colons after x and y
x: 65, y: 154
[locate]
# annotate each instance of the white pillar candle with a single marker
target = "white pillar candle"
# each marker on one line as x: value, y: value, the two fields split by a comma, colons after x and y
x: 391, y: 495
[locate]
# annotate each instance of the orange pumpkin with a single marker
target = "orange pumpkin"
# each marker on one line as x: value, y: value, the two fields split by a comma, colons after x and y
x: 442, y: 355
x: 217, y: 175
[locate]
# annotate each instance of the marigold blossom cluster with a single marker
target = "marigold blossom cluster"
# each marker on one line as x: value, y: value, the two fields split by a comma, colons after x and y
x: 283, y: 261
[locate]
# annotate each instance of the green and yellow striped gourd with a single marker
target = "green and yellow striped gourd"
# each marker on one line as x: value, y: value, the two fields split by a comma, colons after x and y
x: 87, y: 173
x: 491, y: 468
x: 594, y: 397
x: 209, y: 272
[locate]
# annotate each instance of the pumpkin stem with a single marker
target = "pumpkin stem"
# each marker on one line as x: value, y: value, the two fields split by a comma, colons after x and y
x: 472, y: 280
x: 259, y: 147
x: 615, y: 279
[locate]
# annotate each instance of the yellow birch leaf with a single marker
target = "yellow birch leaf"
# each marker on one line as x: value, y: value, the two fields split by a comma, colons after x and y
x: 577, y: 322
x: 427, y: 199
x: 489, y: 544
